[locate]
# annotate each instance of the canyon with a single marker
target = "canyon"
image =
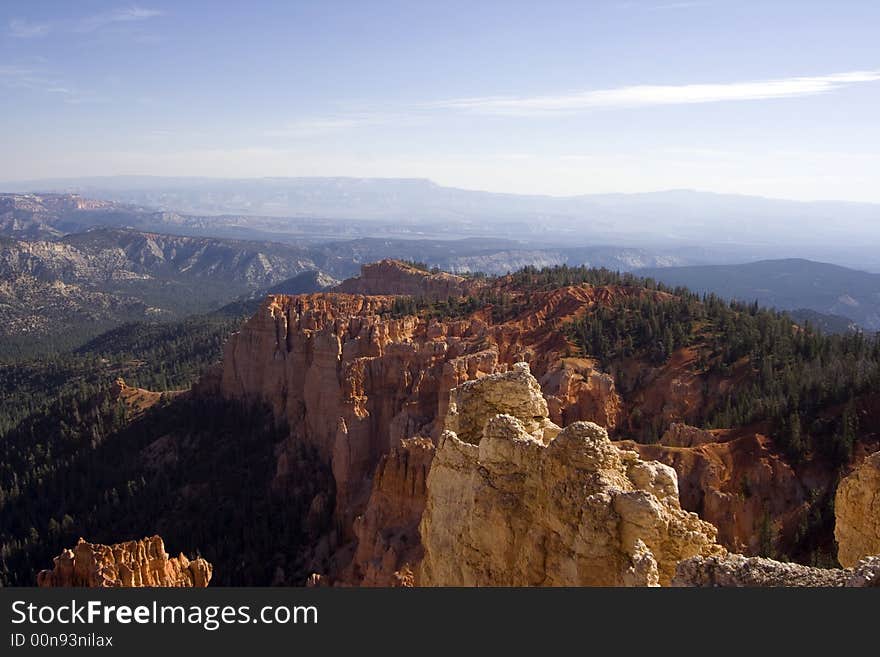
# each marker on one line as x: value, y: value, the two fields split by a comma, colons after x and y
x: 432, y: 429
x: 367, y: 392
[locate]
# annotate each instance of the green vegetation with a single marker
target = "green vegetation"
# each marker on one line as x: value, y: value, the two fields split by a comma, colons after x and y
x: 197, y: 472
x: 72, y: 463
x: 159, y: 356
x: 785, y: 375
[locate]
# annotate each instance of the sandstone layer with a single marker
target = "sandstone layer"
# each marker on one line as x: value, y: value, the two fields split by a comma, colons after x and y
x: 857, y: 513
x: 521, y: 502
x: 129, y: 564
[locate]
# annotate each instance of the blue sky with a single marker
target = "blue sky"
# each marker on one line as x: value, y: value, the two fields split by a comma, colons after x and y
x: 778, y: 98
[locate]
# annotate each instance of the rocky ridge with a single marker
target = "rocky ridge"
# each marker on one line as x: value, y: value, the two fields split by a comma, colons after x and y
x: 404, y: 279
x: 737, y: 571
x: 352, y: 381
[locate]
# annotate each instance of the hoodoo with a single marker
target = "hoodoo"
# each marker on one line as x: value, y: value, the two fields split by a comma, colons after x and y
x: 129, y: 564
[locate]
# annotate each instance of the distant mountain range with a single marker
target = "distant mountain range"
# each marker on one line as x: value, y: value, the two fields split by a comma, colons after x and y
x: 71, y: 288
x: 71, y: 266
x: 792, y: 284
x: 741, y: 227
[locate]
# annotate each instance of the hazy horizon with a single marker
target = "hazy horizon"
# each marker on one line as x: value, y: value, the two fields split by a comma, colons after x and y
x: 773, y: 99
x: 31, y: 185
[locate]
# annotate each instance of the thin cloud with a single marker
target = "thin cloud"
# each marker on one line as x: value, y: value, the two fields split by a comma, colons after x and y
x: 651, y: 95
x: 24, y: 29
x: 122, y: 15
x: 678, y: 5
x: 316, y: 127
x: 36, y: 79
x: 684, y: 4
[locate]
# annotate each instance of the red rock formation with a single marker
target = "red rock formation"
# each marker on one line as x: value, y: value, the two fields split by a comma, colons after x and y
x: 684, y: 435
x: 352, y: 381
x: 395, y: 277
x: 349, y: 381
x: 137, y: 401
x: 129, y: 564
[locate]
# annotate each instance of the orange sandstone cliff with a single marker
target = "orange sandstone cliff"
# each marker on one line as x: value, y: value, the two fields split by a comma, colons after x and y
x: 354, y: 382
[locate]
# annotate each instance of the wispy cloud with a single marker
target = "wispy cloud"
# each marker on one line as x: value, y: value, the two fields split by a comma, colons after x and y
x: 313, y: 127
x: 318, y: 126
x: 648, y: 95
x: 24, y: 29
x: 678, y: 5
x: 634, y: 96
x: 663, y: 6
x: 37, y: 79
x: 121, y: 15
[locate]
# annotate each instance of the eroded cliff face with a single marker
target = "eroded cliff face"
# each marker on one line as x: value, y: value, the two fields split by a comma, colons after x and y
x: 389, y: 547
x: 365, y: 393
x: 576, y: 389
x: 353, y: 382
x: 350, y: 381
x: 857, y: 513
x: 129, y: 564
x: 521, y: 502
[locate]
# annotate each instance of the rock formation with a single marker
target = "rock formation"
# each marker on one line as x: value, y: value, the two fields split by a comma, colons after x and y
x: 137, y: 401
x: 352, y: 380
x: 735, y: 570
x: 857, y: 513
x: 129, y: 564
x: 520, y: 502
x: 576, y: 390
x: 684, y: 435
x: 388, y: 545
x: 364, y: 390
x: 395, y: 277
x: 737, y: 483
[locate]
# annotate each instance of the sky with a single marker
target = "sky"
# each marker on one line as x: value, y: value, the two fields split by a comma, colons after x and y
x: 774, y: 98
